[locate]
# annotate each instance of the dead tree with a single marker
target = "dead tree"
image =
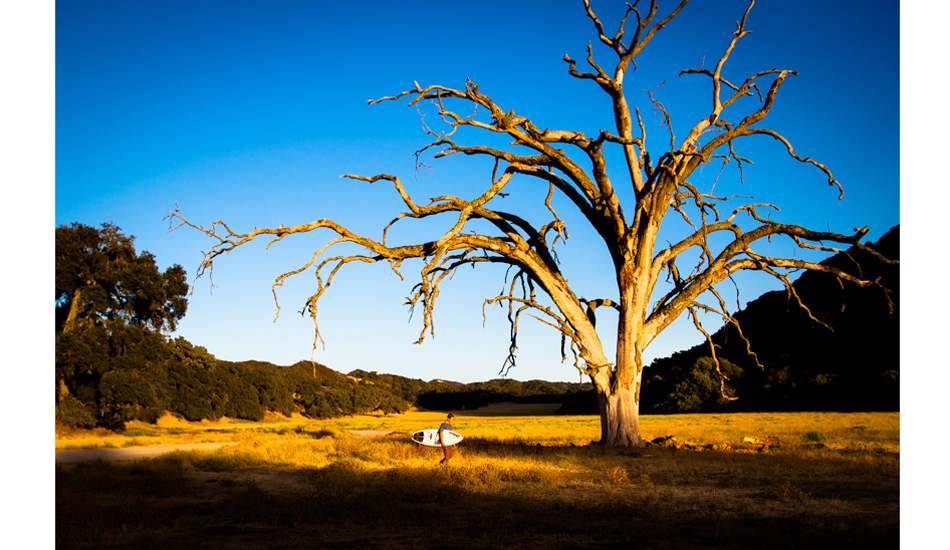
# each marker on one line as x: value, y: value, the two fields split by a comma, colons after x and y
x: 574, y: 165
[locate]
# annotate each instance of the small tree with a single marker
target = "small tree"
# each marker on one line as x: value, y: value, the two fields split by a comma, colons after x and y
x: 574, y: 165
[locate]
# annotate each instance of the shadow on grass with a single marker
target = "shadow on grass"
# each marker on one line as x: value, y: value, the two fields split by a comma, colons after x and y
x: 485, y: 503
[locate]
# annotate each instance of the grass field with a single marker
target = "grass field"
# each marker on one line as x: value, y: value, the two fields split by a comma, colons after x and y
x: 522, y: 478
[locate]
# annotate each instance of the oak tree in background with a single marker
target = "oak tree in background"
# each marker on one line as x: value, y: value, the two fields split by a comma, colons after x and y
x: 721, y: 230
x: 100, y: 280
x: 112, y: 306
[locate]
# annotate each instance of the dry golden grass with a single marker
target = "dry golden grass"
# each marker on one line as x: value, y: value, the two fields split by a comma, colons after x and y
x: 517, y: 481
x: 528, y: 424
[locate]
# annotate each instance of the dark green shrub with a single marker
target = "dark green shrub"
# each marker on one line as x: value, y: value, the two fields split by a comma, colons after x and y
x: 71, y: 413
x: 689, y: 389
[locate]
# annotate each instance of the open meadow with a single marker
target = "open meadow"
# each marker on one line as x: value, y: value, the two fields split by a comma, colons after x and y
x: 523, y: 478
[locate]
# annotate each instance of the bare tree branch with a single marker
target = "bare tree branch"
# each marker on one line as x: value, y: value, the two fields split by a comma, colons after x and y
x: 577, y: 168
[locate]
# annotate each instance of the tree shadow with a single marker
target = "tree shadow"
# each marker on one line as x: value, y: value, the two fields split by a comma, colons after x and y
x: 465, y: 505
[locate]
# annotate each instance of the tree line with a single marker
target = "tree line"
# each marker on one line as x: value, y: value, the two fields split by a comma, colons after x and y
x: 447, y: 395
x: 109, y: 377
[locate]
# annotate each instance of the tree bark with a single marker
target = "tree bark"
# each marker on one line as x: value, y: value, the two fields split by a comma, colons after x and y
x: 618, y: 388
x: 74, y: 308
x: 619, y: 416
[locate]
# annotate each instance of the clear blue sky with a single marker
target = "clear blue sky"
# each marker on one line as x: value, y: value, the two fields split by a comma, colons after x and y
x: 250, y: 112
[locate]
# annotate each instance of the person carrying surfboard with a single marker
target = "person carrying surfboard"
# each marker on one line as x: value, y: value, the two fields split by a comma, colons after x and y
x: 448, y: 450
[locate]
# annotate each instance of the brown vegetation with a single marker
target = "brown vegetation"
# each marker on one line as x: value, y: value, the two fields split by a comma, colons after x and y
x: 317, y: 485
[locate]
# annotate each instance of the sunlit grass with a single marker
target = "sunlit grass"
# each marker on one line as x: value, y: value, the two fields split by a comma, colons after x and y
x: 531, y: 443
x: 517, y: 481
x: 874, y: 431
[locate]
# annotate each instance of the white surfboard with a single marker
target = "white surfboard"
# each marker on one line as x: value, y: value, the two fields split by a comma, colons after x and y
x: 430, y: 438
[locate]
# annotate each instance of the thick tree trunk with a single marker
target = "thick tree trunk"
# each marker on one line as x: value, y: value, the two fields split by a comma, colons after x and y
x: 620, y: 417
x: 618, y: 393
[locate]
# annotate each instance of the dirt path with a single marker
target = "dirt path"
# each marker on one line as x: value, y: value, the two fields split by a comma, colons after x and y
x: 128, y: 453
x: 134, y: 453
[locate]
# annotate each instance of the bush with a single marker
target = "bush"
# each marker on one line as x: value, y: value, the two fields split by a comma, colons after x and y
x: 688, y: 389
x: 72, y: 414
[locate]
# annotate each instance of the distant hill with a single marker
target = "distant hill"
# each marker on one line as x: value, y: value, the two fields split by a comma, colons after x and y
x: 306, y: 368
x: 471, y: 396
x: 448, y: 395
x: 855, y: 365
x: 303, y: 367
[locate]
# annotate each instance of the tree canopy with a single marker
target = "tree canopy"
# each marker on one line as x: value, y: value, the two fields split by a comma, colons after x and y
x: 101, y: 281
